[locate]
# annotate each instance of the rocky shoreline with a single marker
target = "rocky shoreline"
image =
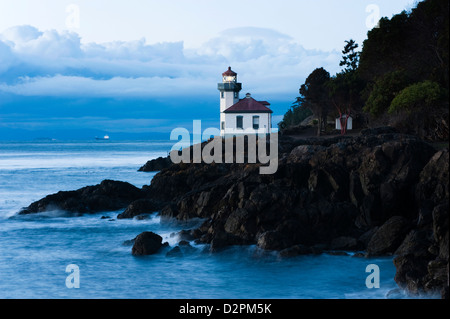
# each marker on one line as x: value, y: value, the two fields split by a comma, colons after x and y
x: 381, y: 192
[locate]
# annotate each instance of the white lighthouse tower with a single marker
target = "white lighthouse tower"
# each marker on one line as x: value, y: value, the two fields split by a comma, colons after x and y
x: 229, y: 94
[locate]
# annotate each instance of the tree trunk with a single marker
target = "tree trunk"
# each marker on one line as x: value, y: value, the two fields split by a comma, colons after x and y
x: 343, y: 124
x: 319, y: 126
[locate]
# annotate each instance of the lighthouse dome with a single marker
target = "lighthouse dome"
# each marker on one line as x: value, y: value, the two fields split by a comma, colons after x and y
x: 229, y: 72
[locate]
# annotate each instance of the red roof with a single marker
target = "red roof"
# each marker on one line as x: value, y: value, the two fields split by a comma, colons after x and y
x: 249, y: 105
x: 229, y: 72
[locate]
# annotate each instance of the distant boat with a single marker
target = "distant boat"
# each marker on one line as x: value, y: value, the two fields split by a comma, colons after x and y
x: 106, y: 137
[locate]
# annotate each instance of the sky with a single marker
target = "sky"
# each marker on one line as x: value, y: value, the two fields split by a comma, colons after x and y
x: 136, y: 69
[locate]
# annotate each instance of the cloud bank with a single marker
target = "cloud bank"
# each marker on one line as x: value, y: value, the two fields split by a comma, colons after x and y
x: 57, y: 64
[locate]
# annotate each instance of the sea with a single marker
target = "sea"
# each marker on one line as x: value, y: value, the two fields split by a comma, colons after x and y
x: 53, y: 256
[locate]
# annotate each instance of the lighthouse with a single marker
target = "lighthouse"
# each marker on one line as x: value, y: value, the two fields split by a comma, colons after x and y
x: 229, y: 94
x: 241, y: 116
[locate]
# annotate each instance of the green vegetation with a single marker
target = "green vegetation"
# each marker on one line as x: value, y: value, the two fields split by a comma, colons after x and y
x: 315, y: 96
x: 399, y: 78
x: 424, y: 95
x: 295, y: 115
x: 383, y: 91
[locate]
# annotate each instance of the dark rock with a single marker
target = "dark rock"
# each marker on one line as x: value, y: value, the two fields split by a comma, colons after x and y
x: 186, y: 247
x: 273, y: 240
x: 425, y: 216
x: 165, y: 245
x: 142, y: 217
x: 295, y: 231
x: 107, y: 196
x: 438, y: 272
x: 323, y: 189
x: 445, y: 292
x: 169, y: 211
x: 295, y: 250
x: 294, y: 130
x: 365, y: 238
x: 303, y: 153
x: 333, y: 192
x: 186, y: 235
x: 318, y: 249
x: 356, y: 193
x: 434, y: 179
x: 370, y: 212
x: 410, y: 271
x: 128, y: 242
x: 389, y: 236
x: 157, y: 164
x: 387, y: 175
x: 146, y: 243
x: 337, y: 253
x: 441, y: 229
x: 175, y: 252
x: 379, y: 130
x: 220, y: 240
x: 422, y: 261
x: 241, y: 223
x: 139, y: 207
x: 416, y: 243
x: 344, y: 243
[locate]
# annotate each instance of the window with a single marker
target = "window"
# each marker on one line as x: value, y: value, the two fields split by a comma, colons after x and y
x: 221, y: 94
x: 223, y: 125
x: 229, y: 79
x: 240, y: 122
x: 236, y: 95
x: 256, y: 122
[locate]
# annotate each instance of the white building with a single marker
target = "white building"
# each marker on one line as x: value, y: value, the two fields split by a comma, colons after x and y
x: 241, y: 116
x: 344, y: 118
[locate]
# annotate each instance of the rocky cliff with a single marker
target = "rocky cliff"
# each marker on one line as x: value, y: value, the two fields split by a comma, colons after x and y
x: 381, y: 192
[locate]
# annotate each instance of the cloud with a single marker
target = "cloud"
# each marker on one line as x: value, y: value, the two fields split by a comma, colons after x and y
x: 73, y: 86
x: 20, y: 34
x: 271, y: 62
x: 249, y: 43
x: 52, y: 63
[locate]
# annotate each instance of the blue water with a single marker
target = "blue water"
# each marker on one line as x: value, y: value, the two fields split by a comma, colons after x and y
x: 36, y: 249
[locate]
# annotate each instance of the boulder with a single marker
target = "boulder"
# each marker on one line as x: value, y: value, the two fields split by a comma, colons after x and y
x: 295, y: 250
x: 303, y: 153
x: 344, y: 243
x: 156, y: 164
x: 146, y: 243
x: 139, y: 207
x: 107, y: 196
x: 416, y: 243
x: 220, y: 240
x: 175, y: 252
x: 241, y: 223
x: 389, y: 236
x: 273, y: 240
x: 433, y: 181
x: 410, y: 271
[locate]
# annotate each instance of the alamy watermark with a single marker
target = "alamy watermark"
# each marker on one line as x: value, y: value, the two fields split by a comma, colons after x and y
x: 250, y: 147
x: 373, y: 279
x: 73, y: 279
x: 73, y: 16
x: 373, y: 19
